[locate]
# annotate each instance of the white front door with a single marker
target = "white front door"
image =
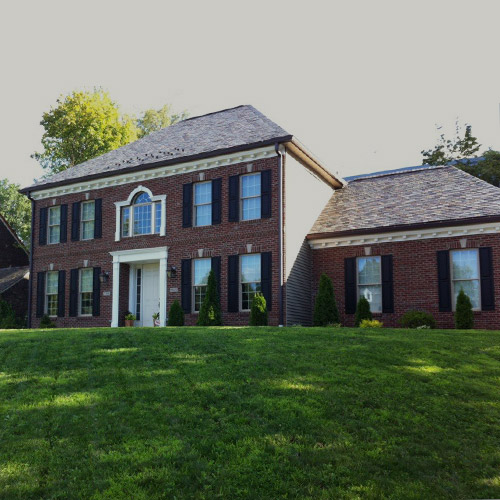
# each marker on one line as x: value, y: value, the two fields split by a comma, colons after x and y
x: 150, y: 293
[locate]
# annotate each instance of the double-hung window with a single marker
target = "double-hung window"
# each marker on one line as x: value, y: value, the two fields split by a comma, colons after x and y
x: 370, y: 281
x: 86, y: 291
x: 142, y: 217
x: 250, y: 196
x: 51, y: 293
x: 465, y: 275
x: 54, y: 224
x: 87, y: 220
x: 201, y: 270
x: 203, y: 203
x: 250, y: 279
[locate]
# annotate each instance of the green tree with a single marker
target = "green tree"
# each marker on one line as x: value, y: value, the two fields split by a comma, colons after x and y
x: 362, y: 311
x: 176, y: 314
x: 464, y: 317
x: 80, y: 127
x: 16, y: 208
x: 210, y: 311
x: 155, y: 119
x: 258, y: 311
x: 486, y: 169
x: 325, y: 307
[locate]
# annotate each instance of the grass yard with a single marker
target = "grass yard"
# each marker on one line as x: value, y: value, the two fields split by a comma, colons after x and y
x: 264, y: 413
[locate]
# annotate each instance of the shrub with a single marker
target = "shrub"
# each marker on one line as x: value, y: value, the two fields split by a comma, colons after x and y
x: 7, y: 316
x: 371, y: 323
x: 130, y: 317
x: 416, y: 319
x: 325, y: 307
x: 46, y: 322
x: 210, y: 312
x: 176, y: 314
x: 362, y: 311
x: 258, y: 311
x: 464, y: 317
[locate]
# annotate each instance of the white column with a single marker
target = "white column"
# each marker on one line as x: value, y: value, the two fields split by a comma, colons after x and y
x: 116, y: 292
x: 163, y: 291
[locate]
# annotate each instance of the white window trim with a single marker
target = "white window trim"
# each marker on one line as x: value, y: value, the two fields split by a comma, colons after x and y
x: 249, y: 197
x: 82, y: 221
x: 162, y: 198
x: 240, y: 292
x: 379, y: 257
x: 46, y: 305
x: 193, y: 283
x: 49, y: 225
x: 201, y: 204
x: 80, y: 315
x: 452, y: 280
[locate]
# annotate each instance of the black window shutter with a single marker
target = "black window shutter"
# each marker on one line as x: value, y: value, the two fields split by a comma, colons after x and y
x: 96, y: 293
x: 265, y: 194
x: 40, y: 294
x: 486, y: 273
x: 98, y: 218
x: 387, y: 285
x: 216, y: 270
x: 444, y: 283
x: 187, y: 205
x: 61, y: 293
x: 234, y: 198
x: 186, y: 285
x: 64, y: 224
x: 266, y: 274
x: 350, y: 285
x: 233, y: 272
x: 73, y: 292
x: 75, y: 221
x: 216, y: 201
x: 42, y: 234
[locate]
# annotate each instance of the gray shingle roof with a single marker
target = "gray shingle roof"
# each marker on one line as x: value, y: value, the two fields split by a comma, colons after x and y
x: 224, y: 130
x: 414, y: 197
x: 9, y: 276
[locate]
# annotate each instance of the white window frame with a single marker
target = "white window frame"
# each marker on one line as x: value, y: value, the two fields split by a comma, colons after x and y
x: 241, y: 282
x: 453, y: 280
x: 119, y: 205
x: 249, y: 197
x: 195, y: 205
x: 80, y: 291
x: 358, y: 295
x: 83, y: 221
x: 49, y: 225
x: 193, y: 285
x: 46, y: 304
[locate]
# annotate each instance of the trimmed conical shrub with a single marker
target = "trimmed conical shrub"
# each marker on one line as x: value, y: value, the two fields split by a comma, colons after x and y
x: 325, y: 307
x: 464, y: 317
x: 210, y: 312
x: 362, y: 311
x: 258, y: 311
x: 176, y: 314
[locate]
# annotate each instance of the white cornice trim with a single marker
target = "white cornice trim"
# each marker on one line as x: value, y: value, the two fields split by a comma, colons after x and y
x: 156, y: 173
x: 410, y: 235
x: 139, y: 254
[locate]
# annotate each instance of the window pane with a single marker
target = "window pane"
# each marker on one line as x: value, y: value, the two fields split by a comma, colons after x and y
x: 52, y: 282
x: 88, y: 210
x: 86, y: 304
x: 248, y: 290
x: 203, y: 193
x: 126, y: 222
x: 471, y: 289
x: 199, y: 296
x: 250, y: 268
x: 157, y: 217
x: 368, y: 270
x: 88, y: 230
x: 251, y: 209
x: 54, y: 234
x: 86, y: 280
x: 373, y: 294
x: 250, y: 185
x: 464, y: 264
x: 203, y: 215
x: 142, y: 219
x: 142, y: 198
x: 201, y: 270
x: 52, y: 305
x: 54, y: 215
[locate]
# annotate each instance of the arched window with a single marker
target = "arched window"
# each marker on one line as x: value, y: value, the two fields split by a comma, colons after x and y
x: 142, y: 214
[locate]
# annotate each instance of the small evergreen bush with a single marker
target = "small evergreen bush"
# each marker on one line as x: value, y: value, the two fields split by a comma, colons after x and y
x: 416, y: 319
x: 362, y: 311
x: 46, y: 322
x: 258, y: 311
x: 464, y: 317
x: 371, y: 323
x: 210, y: 311
x: 325, y: 307
x: 176, y: 314
x: 7, y: 316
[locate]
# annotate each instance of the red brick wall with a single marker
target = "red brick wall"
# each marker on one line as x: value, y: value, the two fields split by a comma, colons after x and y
x: 227, y: 238
x: 415, y: 277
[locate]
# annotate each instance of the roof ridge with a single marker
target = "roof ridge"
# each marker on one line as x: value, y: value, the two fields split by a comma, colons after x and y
x: 399, y: 171
x: 214, y: 113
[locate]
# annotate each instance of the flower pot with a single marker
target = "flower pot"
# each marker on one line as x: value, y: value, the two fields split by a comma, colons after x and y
x: 129, y: 322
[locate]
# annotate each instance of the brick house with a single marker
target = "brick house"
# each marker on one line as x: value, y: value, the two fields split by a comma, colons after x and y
x: 14, y: 270
x: 141, y: 226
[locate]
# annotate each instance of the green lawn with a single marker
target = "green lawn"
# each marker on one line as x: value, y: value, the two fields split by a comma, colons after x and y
x: 260, y: 413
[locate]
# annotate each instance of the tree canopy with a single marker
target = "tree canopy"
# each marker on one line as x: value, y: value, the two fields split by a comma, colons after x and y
x: 155, y: 119
x: 16, y: 208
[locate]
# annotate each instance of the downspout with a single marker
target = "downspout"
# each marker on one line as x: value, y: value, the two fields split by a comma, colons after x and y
x: 280, y: 186
x: 30, y: 287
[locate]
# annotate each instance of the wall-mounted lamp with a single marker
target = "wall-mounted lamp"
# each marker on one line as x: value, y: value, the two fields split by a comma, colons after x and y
x: 104, y: 277
x: 172, y: 272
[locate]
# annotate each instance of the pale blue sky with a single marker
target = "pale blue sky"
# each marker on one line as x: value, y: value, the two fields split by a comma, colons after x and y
x: 362, y: 84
